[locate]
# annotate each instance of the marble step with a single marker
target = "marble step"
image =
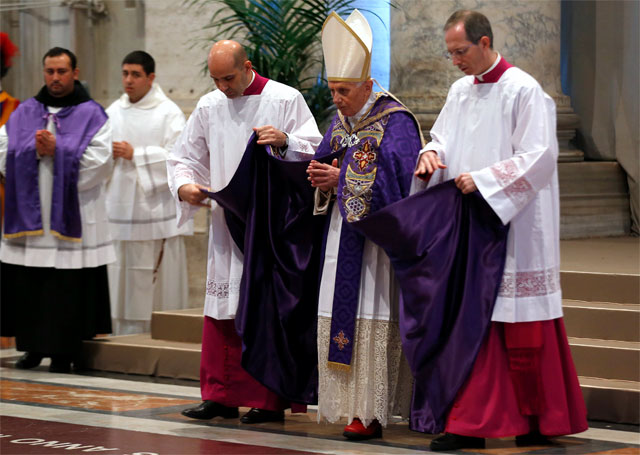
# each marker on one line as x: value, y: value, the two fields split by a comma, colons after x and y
x: 594, y: 199
x: 602, y: 320
x: 600, y: 287
x: 607, y: 359
x: 601, y: 269
x: 611, y: 400
x: 141, y: 354
x: 603, y: 338
x: 177, y: 325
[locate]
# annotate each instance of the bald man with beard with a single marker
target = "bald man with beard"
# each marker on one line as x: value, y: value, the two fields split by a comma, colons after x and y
x: 206, y: 156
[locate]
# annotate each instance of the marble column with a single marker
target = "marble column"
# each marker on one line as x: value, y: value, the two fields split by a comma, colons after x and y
x: 102, y: 37
x: 34, y: 30
x: 526, y: 33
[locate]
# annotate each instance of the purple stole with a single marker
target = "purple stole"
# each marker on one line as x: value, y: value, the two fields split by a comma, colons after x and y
x: 369, y: 180
x: 75, y: 127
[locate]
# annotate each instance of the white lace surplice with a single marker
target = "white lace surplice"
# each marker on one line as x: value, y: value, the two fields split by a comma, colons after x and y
x: 504, y: 134
x: 208, y: 152
x: 378, y: 384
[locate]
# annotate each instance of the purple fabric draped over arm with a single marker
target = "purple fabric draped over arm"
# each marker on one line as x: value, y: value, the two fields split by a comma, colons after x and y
x: 269, y: 211
x: 448, y: 252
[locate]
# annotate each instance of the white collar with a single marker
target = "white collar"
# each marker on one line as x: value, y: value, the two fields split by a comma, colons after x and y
x: 151, y: 99
x: 367, y: 105
x: 253, y: 76
x: 480, y: 76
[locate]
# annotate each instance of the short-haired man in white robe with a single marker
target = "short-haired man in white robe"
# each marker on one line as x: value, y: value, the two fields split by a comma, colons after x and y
x: 497, y: 134
x: 151, y: 268
x: 207, y: 156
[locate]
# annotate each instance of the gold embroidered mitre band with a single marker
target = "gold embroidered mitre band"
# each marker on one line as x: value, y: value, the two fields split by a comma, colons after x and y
x: 347, y: 47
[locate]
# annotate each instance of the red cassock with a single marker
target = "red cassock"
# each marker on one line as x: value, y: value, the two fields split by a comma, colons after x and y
x: 523, y: 380
x: 222, y: 379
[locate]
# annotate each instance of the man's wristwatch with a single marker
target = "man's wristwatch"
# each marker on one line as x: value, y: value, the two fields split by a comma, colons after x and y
x: 286, y: 141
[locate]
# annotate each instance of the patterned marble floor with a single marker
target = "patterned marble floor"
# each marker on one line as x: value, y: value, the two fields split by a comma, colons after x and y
x: 45, y: 413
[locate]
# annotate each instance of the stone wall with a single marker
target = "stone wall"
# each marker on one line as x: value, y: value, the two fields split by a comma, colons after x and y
x: 174, y: 36
x: 604, y: 83
x: 526, y: 33
x: 101, y: 42
x: 34, y: 31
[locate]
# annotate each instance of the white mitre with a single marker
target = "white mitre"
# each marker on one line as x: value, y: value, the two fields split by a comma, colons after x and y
x: 347, y: 47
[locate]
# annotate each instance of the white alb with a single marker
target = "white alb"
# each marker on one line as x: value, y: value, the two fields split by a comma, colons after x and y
x: 504, y: 134
x: 208, y: 153
x: 150, y: 273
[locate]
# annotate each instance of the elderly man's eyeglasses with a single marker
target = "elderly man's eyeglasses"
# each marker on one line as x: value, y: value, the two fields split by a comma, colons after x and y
x: 458, y: 52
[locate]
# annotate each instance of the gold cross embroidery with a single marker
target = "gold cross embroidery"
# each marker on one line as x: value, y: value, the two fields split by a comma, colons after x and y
x: 341, y: 340
x: 364, y: 156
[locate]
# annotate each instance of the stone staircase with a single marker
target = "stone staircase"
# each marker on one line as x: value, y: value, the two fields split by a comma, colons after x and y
x: 594, y: 200
x: 606, y: 350
x: 602, y: 317
x: 172, y: 349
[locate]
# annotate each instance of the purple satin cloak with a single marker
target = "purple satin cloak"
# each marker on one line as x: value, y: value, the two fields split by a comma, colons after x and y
x: 448, y: 252
x: 269, y: 212
x: 75, y: 127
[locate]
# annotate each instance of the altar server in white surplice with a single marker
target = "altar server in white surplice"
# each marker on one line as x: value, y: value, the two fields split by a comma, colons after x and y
x: 207, y: 155
x: 151, y: 270
x: 496, y: 134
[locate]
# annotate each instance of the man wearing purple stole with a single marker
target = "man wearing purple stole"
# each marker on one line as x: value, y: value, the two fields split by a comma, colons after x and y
x: 363, y: 375
x: 55, y: 154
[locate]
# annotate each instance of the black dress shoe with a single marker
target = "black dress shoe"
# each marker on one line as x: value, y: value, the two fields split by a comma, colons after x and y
x: 60, y: 364
x: 28, y: 360
x: 452, y: 441
x: 210, y: 409
x: 532, y: 439
x: 256, y: 415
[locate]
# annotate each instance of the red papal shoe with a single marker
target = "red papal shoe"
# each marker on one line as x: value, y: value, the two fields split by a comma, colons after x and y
x: 356, y: 431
